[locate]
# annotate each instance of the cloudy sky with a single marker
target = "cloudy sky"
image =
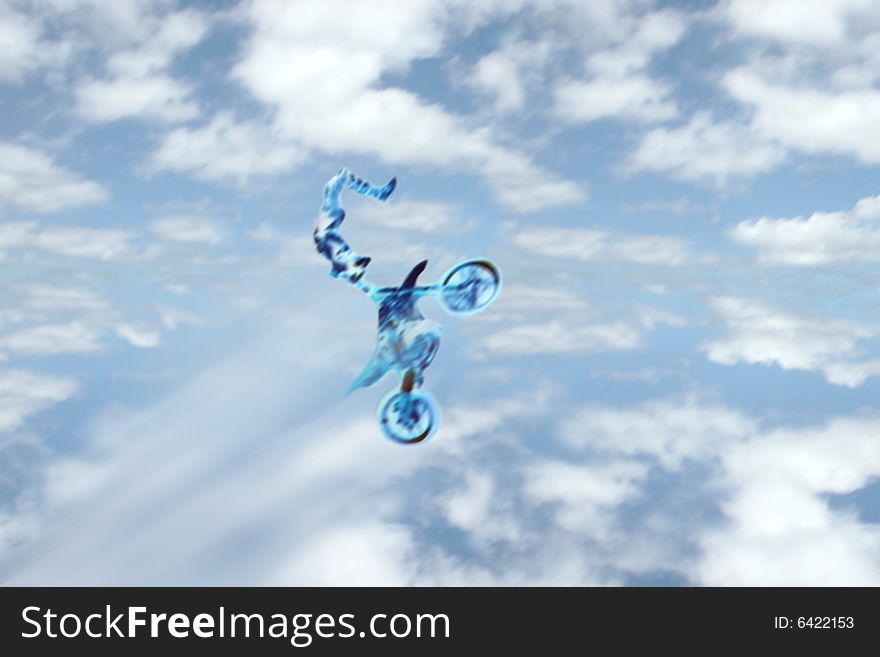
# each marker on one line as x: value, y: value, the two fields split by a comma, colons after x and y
x: 677, y: 385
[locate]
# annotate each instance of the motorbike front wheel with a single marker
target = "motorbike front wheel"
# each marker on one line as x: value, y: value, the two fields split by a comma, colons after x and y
x: 470, y: 286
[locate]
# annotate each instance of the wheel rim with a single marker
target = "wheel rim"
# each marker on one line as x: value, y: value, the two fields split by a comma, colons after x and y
x: 471, y: 286
x: 408, y: 418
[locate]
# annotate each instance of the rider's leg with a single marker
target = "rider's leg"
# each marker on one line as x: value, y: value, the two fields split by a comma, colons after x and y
x: 331, y: 208
x: 361, y: 186
x: 346, y: 262
x: 413, y: 378
x: 409, y: 381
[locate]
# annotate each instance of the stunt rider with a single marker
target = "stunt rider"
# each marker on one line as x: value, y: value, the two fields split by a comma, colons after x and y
x: 346, y: 263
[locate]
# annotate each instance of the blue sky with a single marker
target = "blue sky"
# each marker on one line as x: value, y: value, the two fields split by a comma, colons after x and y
x: 676, y: 386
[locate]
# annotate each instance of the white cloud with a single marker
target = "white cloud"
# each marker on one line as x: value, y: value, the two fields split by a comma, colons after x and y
x: 226, y: 150
x: 478, y: 509
x: 564, y: 336
x: 264, y: 232
x: 79, y: 242
x: 812, y: 91
x: 20, y: 47
x: 470, y: 424
x: 807, y: 22
x: 704, y: 149
x: 528, y: 319
x: 11, y: 316
x: 618, y: 86
x: 187, y: 229
x: 778, y: 526
x: 75, y: 337
x: 156, y: 96
x: 670, y: 431
x: 811, y: 85
x: 334, y: 104
x: 520, y: 301
x: 15, y: 234
x: 780, y: 529
x: 498, y: 75
x: 578, y: 243
x: 30, y: 180
x: 650, y: 250
x: 632, y: 97
x: 417, y: 216
x: 336, y: 478
x: 138, y: 336
x: 171, y: 317
x: 851, y: 373
x: 759, y: 333
x: 24, y: 393
x: 108, y: 244
x: 50, y: 297
x: 585, y: 493
x: 650, y: 317
x: 352, y: 555
x: 594, y: 244
x: 105, y: 26
x: 823, y: 238
x: 680, y: 206
x: 334, y: 474
x: 506, y: 74
x: 519, y: 184
x: 139, y: 85
x: 810, y: 117
x: 310, y: 461
x: 364, y: 511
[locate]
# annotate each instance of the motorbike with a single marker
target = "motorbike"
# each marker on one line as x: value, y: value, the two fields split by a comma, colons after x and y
x: 406, y: 341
